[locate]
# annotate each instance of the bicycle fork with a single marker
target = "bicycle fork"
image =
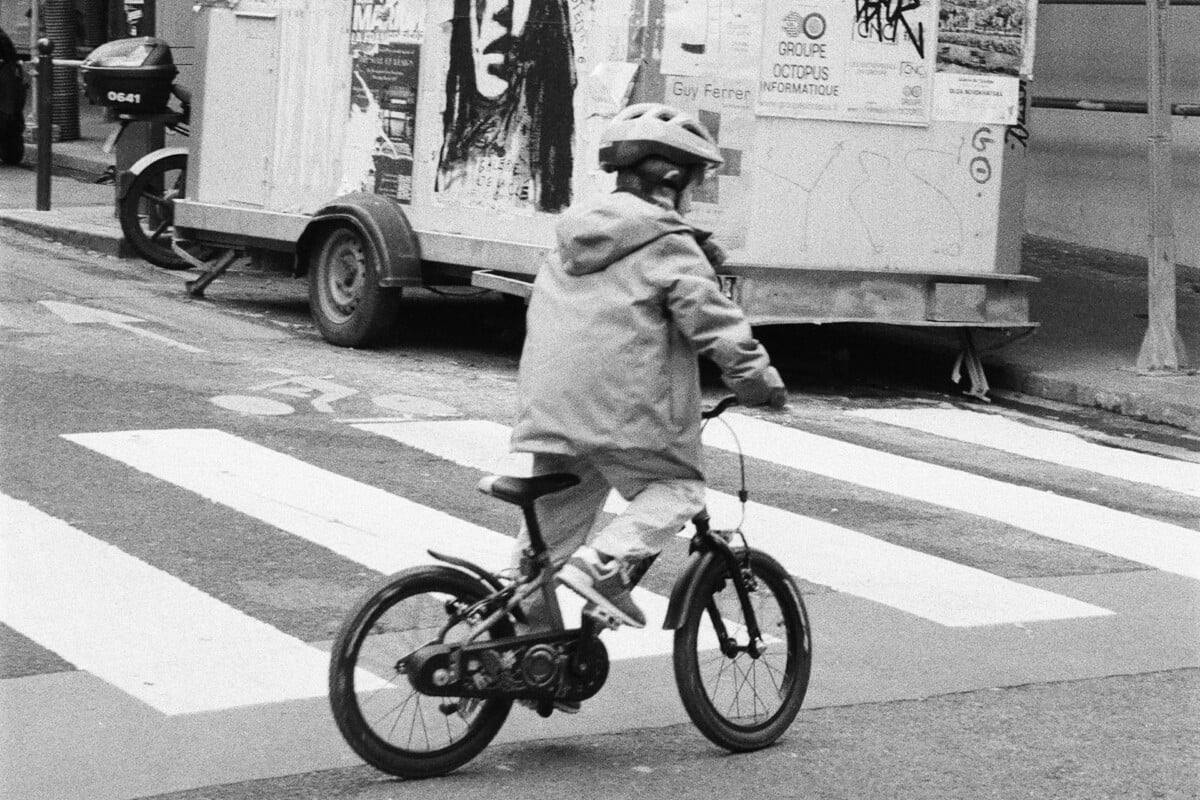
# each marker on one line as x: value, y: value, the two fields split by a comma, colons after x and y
x: 707, y: 546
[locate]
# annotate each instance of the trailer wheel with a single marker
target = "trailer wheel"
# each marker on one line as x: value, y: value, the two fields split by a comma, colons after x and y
x: 348, y: 305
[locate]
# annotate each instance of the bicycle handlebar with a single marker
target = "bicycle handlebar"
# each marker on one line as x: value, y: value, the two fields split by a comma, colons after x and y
x: 722, y: 404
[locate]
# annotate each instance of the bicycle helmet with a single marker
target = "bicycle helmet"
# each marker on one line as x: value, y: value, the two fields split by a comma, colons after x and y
x: 653, y: 129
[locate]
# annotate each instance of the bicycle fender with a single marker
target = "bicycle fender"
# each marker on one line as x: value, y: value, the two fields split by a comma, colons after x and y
x: 684, y: 589
x: 479, y: 572
x: 142, y: 163
x: 383, y: 222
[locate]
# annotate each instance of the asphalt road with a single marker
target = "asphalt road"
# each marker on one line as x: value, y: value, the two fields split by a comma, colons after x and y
x: 1005, y: 599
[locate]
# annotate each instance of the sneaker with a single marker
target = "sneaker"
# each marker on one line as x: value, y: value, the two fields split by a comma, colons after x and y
x: 603, y: 580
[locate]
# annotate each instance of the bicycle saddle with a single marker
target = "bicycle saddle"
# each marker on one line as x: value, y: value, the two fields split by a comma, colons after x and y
x: 523, y: 491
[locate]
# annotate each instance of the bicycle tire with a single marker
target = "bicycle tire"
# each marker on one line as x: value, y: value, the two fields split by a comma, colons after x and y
x: 406, y: 612
x: 777, y: 680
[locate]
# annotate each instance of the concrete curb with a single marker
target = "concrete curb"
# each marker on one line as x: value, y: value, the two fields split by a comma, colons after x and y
x: 1137, y: 405
x: 82, y: 164
x: 60, y: 225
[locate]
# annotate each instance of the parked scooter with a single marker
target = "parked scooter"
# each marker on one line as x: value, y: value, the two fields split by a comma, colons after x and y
x: 134, y: 78
x: 147, y: 191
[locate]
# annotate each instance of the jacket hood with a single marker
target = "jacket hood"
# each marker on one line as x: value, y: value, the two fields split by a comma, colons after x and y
x: 597, y: 233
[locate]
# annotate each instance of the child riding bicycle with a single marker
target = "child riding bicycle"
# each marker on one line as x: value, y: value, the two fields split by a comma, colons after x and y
x: 609, y: 381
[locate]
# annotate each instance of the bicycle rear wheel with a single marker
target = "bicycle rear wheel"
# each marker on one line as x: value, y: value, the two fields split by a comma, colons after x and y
x: 382, y: 717
x: 739, y: 700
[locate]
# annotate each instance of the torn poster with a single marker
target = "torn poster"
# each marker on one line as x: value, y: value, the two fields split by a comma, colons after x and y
x: 377, y: 153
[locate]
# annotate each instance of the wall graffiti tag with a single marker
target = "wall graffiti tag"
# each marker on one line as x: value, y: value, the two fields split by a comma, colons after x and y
x: 886, y: 21
x: 980, y: 166
x: 1018, y: 134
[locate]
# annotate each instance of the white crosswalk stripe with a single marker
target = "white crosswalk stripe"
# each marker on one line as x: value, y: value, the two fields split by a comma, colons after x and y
x: 1157, y: 544
x: 181, y: 651
x: 144, y: 631
x: 934, y: 588
x: 362, y: 523
x: 1056, y: 447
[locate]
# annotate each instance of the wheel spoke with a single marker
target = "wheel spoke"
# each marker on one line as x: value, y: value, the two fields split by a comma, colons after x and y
x: 162, y: 227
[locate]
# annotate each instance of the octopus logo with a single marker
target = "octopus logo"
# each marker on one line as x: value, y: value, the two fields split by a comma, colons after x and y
x: 793, y: 24
x: 811, y: 25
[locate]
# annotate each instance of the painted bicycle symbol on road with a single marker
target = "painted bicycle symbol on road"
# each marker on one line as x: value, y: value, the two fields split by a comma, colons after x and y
x: 321, y: 394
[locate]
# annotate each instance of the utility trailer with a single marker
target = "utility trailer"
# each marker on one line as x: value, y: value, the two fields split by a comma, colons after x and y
x: 874, y: 151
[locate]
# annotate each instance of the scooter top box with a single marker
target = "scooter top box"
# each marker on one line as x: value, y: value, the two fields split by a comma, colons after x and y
x: 131, y: 76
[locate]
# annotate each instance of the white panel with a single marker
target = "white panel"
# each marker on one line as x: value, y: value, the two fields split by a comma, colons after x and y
x: 840, y: 194
x: 312, y: 105
x: 238, y: 123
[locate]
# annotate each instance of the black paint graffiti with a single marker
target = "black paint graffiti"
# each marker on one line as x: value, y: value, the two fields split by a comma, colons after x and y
x: 883, y: 20
x: 510, y: 99
x: 1018, y: 134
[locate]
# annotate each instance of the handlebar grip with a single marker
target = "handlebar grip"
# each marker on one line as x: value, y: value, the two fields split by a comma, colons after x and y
x: 720, y: 407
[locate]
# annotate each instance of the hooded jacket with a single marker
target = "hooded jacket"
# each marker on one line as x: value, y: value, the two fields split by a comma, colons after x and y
x: 618, y: 316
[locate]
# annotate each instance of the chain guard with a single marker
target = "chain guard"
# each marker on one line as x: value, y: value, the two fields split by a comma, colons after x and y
x: 538, y: 666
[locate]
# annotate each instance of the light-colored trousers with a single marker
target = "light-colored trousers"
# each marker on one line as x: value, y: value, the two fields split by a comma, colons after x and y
x: 663, y: 496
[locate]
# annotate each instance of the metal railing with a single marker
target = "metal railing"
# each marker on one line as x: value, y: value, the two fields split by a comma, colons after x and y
x: 1113, y: 106
x: 1116, y: 106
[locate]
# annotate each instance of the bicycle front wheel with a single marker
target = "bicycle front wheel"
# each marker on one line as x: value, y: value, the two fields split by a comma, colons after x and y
x: 382, y: 717
x: 742, y: 697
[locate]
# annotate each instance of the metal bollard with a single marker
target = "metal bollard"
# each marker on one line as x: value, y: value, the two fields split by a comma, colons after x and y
x: 45, y: 121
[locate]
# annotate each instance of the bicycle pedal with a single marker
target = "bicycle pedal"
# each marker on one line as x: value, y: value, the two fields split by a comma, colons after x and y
x: 601, y: 616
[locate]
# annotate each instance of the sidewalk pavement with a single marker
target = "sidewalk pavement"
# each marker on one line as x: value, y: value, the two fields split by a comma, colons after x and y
x: 1091, y: 304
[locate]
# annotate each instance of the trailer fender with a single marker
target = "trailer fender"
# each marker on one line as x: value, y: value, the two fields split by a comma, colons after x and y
x: 383, y: 221
x: 139, y: 166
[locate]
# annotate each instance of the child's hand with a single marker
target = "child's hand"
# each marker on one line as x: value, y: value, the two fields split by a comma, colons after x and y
x: 713, y: 252
x: 777, y: 400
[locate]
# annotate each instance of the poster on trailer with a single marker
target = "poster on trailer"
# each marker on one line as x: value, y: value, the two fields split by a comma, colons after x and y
x: 709, y: 64
x: 509, y: 119
x: 984, y: 49
x: 852, y: 60
x: 385, y: 38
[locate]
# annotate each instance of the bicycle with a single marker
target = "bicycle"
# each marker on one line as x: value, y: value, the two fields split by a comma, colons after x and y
x: 426, y: 667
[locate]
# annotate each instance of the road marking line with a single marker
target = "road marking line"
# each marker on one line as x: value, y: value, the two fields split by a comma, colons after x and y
x: 1146, y: 541
x: 1056, y: 447
x: 144, y: 631
x: 930, y: 587
x: 77, y: 314
x: 363, y: 523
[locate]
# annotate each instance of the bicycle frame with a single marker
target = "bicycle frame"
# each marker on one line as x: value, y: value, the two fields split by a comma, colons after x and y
x: 705, y: 546
x: 538, y: 575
